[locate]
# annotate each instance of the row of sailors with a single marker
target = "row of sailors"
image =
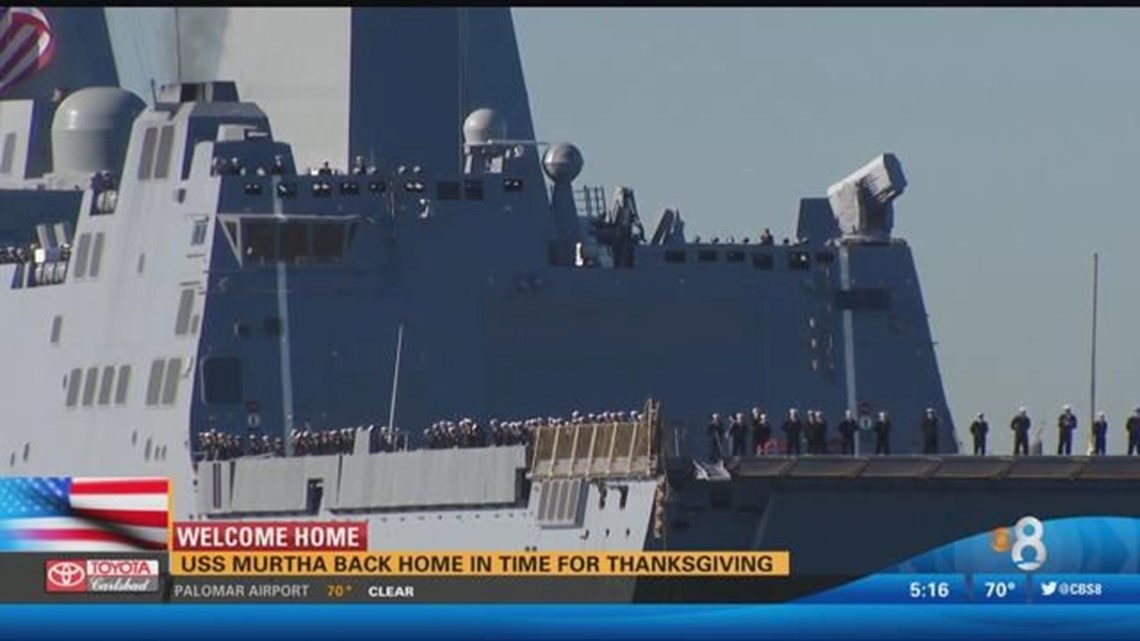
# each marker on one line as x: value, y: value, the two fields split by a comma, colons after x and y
x: 1066, y: 424
x: 234, y: 167
x: 13, y: 254
x: 754, y: 435
x: 214, y: 445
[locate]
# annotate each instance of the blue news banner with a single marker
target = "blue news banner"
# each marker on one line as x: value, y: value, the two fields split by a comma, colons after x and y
x: 1073, y: 589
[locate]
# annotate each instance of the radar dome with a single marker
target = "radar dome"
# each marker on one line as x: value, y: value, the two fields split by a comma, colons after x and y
x: 91, y: 129
x: 562, y: 162
x: 483, y: 125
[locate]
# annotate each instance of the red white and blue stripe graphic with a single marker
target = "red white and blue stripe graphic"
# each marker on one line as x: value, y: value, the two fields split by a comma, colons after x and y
x: 66, y: 514
x: 26, y: 44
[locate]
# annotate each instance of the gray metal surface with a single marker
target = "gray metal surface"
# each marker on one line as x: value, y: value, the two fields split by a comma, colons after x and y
x: 214, y: 292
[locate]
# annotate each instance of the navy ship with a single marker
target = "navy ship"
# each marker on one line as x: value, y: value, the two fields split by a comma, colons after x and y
x: 210, y: 232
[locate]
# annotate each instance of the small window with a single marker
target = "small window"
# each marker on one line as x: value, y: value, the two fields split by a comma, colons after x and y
x: 221, y: 381
x: 185, y: 306
x: 165, y: 146
x: 447, y: 190
x: 349, y: 188
x: 260, y: 240
x: 735, y: 256
x: 294, y: 241
x: 799, y: 260
x: 146, y: 160
x: 825, y: 258
x: 90, y: 379
x: 154, y: 383
x: 8, y: 154
x: 73, y: 381
x: 82, y: 253
x: 328, y: 242
x: 272, y: 326
x: 253, y: 189
x: 56, y: 329
x: 473, y: 189
x: 124, y: 384
x: 106, y: 385
x: 322, y: 189
x: 141, y: 264
x: 96, y: 255
x: 675, y: 256
x: 377, y: 187
x: 512, y: 184
x: 762, y: 261
x: 863, y: 298
x: 706, y: 256
x: 286, y: 190
x: 198, y: 236
x: 414, y: 186
x: 170, y: 384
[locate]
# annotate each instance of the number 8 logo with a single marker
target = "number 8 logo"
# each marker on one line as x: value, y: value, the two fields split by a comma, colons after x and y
x: 1027, y: 534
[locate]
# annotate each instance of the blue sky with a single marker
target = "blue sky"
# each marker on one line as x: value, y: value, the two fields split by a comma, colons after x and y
x: 1019, y: 131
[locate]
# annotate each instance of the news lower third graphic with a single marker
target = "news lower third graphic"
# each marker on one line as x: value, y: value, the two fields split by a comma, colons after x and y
x: 82, y: 539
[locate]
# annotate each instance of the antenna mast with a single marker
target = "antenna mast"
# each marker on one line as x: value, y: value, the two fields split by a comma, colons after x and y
x: 178, y: 43
x: 1092, y: 368
x: 395, y: 378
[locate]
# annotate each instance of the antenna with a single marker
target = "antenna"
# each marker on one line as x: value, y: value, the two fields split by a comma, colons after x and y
x: 178, y: 43
x: 395, y: 378
x: 1092, y: 368
x: 463, y: 36
x: 153, y: 92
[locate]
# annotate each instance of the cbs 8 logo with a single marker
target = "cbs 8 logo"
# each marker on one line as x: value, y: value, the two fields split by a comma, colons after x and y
x: 1027, y: 533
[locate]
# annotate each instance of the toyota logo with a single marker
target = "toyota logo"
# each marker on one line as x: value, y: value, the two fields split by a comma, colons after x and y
x: 65, y: 575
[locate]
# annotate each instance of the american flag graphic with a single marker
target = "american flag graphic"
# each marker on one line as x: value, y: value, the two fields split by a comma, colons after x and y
x: 66, y: 514
x: 26, y: 44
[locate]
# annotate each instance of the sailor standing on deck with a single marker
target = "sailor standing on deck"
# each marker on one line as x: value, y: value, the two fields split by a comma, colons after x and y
x: 739, y: 433
x: 929, y: 432
x: 793, y: 428
x: 1133, y: 428
x: 1066, y: 425
x: 811, y: 433
x: 883, y: 434
x: 1020, y: 426
x: 716, y: 439
x: 821, y: 432
x: 979, y: 428
x: 847, y: 428
x: 1100, y: 434
x: 761, y: 431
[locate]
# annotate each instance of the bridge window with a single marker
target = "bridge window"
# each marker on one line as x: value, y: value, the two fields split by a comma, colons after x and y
x: 447, y: 190
x: 170, y: 385
x: 8, y: 153
x: 863, y: 298
x: 294, y: 241
x: 675, y: 256
x: 146, y: 160
x: 154, y: 383
x: 260, y: 240
x: 106, y: 385
x: 328, y: 242
x: 221, y: 381
x: 165, y: 146
x: 706, y: 256
x: 799, y: 260
x: 96, y: 255
x: 89, y: 381
x: 73, y: 381
x: 735, y: 256
x: 473, y: 189
x: 198, y: 236
x: 185, y: 306
x: 124, y: 385
x: 82, y: 253
x: 762, y: 262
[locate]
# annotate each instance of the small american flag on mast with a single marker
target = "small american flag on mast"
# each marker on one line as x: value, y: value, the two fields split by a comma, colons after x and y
x: 26, y: 44
x: 75, y: 514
